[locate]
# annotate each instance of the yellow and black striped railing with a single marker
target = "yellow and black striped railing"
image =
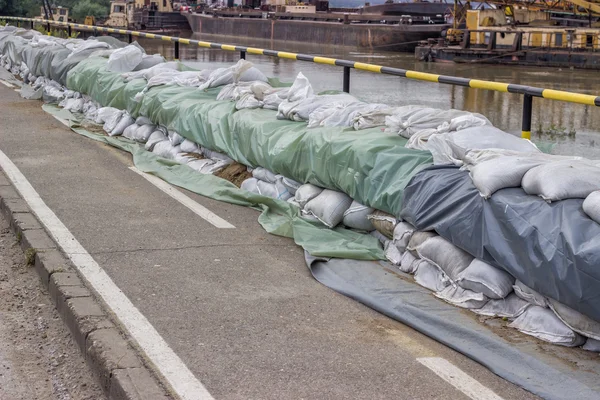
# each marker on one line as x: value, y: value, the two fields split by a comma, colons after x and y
x: 528, y: 92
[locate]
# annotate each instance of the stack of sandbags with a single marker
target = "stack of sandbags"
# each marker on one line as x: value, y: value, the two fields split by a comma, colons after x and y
x: 267, y: 183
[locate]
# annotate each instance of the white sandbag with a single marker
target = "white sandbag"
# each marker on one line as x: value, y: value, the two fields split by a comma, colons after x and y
x: 592, y: 345
x: 463, y: 298
x: 149, y: 61
x: 242, y: 71
x: 129, y: 132
x: 383, y: 222
x: 463, y: 122
x: 543, y: 324
x: 503, y: 172
x: 431, y: 277
x: 175, y: 138
x: 274, y: 97
x: 203, y: 166
x: 402, y: 234
x: 370, y: 118
x: 409, y: 263
x: 565, y: 179
x: 392, y: 254
x: 215, y: 155
x: 125, y: 59
x: 530, y: 295
x: 482, y: 277
x: 449, y: 258
x: 450, y: 148
x: 155, y: 137
x: 510, y: 307
x: 329, y: 207
x: 356, y: 217
x: 406, y: 116
x: 274, y: 190
x: 248, y: 101
x: 190, y: 147
x: 143, y: 133
x: 105, y: 113
x: 143, y: 121
x: 112, y: 121
x: 301, y: 89
x: 418, y: 238
x: 164, y: 149
x: 575, y: 320
x: 264, y: 174
x: 306, y: 193
x: 251, y: 185
x: 291, y: 185
x: 125, y: 121
x: 292, y: 200
x: 183, y: 158
x: 591, y: 206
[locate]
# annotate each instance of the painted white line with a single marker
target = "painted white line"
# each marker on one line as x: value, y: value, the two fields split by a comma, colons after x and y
x: 7, y: 84
x: 457, y: 378
x: 198, y: 209
x: 167, y: 363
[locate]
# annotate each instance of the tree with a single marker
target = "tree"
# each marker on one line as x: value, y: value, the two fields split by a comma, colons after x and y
x: 85, y: 7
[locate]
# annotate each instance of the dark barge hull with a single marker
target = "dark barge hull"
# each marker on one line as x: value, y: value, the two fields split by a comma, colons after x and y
x: 527, y: 57
x: 398, y: 37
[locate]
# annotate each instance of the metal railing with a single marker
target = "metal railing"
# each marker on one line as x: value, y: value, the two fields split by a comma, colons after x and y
x: 528, y: 92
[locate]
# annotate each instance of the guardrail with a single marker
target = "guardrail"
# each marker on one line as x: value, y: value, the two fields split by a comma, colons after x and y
x: 528, y: 92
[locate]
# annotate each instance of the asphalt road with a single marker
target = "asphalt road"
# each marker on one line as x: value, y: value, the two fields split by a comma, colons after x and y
x: 238, y: 306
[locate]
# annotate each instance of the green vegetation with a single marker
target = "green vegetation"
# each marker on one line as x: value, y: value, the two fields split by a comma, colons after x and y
x: 554, y: 131
x: 79, y: 8
x: 86, y: 7
x: 30, y: 256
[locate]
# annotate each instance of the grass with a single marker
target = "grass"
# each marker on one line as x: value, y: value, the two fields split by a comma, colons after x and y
x: 555, y: 131
x: 30, y: 256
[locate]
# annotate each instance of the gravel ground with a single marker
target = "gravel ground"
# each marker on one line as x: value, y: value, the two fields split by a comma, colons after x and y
x: 38, y: 357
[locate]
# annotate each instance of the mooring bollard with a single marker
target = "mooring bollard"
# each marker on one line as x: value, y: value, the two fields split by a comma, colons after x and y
x: 526, y: 122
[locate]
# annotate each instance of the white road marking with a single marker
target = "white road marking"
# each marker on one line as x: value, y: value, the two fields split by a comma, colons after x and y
x: 166, y: 362
x: 7, y: 84
x: 198, y: 209
x: 457, y: 378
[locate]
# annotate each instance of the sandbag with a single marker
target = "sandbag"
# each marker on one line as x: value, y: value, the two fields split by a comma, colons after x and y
x: 510, y: 307
x: 264, y: 174
x: 112, y: 121
x: 106, y: 113
x: 463, y: 298
x: 383, y: 222
x: 306, y: 193
x: 575, y: 320
x: 446, y: 256
x: 165, y: 149
x: 592, y: 345
x: 329, y: 207
x: 183, y: 158
x: 143, y: 133
x: 149, y: 61
x: 143, y: 121
x: 482, y: 277
x: 275, y: 190
x: 129, y: 132
x: 125, y: 121
x: 591, y: 206
x: 155, y: 137
x: 409, y: 263
x: 530, y: 295
x: 251, y: 185
x: 189, y: 147
x: 402, y: 234
x: 417, y: 238
x: 392, y: 254
x: 291, y: 185
x: 543, y: 324
x: 175, y: 138
x: 430, y: 277
x: 356, y: 217
x: 125, y: 59
x: 565, y: 179
x: 204, y: 166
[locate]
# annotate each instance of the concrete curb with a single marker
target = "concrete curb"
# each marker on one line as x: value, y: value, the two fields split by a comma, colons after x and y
x: 120, y: 370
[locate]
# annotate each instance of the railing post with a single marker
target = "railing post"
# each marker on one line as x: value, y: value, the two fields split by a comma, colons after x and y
x: 526, y: 121
x: 69, y: 30
x: 346, y: 80
x: 48, y: 28
x: 32, y: 24
x: 130, y: 38
x: 242, y: 55
x: 176, y: 51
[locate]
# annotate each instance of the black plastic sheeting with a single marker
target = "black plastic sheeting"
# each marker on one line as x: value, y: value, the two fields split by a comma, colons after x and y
x: 554, y: 248
x: 383, y: 288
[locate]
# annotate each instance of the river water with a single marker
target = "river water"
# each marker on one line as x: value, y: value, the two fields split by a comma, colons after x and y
x: 573, y: 128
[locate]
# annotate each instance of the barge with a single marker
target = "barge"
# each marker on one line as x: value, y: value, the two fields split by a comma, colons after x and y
x: 488, y: 39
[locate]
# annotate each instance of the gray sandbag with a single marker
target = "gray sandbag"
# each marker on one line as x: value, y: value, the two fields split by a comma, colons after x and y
x: 125, y: 59
x: 129, y: 132
x: 575, y: 320
x: 149, y: 61
x: 510, y: 307
x: 356, y: 217
x: 175, y: 138
x: 251, y: 185
x: 530, y: 295
x: 274, y: 190
x: 111, y: 122
x: 189, y: 147
x: 409, y: 263
x: 166, y: 150
x: 445, y: 255
x: 155, y: 137
x: 462, y: 298
x: 417, y: 238
x: 306, y: 193
x: 143, y: 133
x: 125, y: 121
x: 543, y: 324
x: 264, y: 174
x: 565, y: 179
x: 591, y: 206
x: 431, y: 277
x: 329, y: 207
x: 291, y: 185
x: 392, y: 254
x: 143, y: 121
x: 482, y: 277
x: 592, y: 345
x: 204, y: 166
x: 402, y: 234
x: 383, y: 222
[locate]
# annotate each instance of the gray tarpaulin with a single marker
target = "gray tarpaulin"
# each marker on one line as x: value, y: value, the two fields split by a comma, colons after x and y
x: 378, y: 285
x: 553, y: 248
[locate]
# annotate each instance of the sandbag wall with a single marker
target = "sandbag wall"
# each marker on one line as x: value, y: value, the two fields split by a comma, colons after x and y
x: 342, y: 162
